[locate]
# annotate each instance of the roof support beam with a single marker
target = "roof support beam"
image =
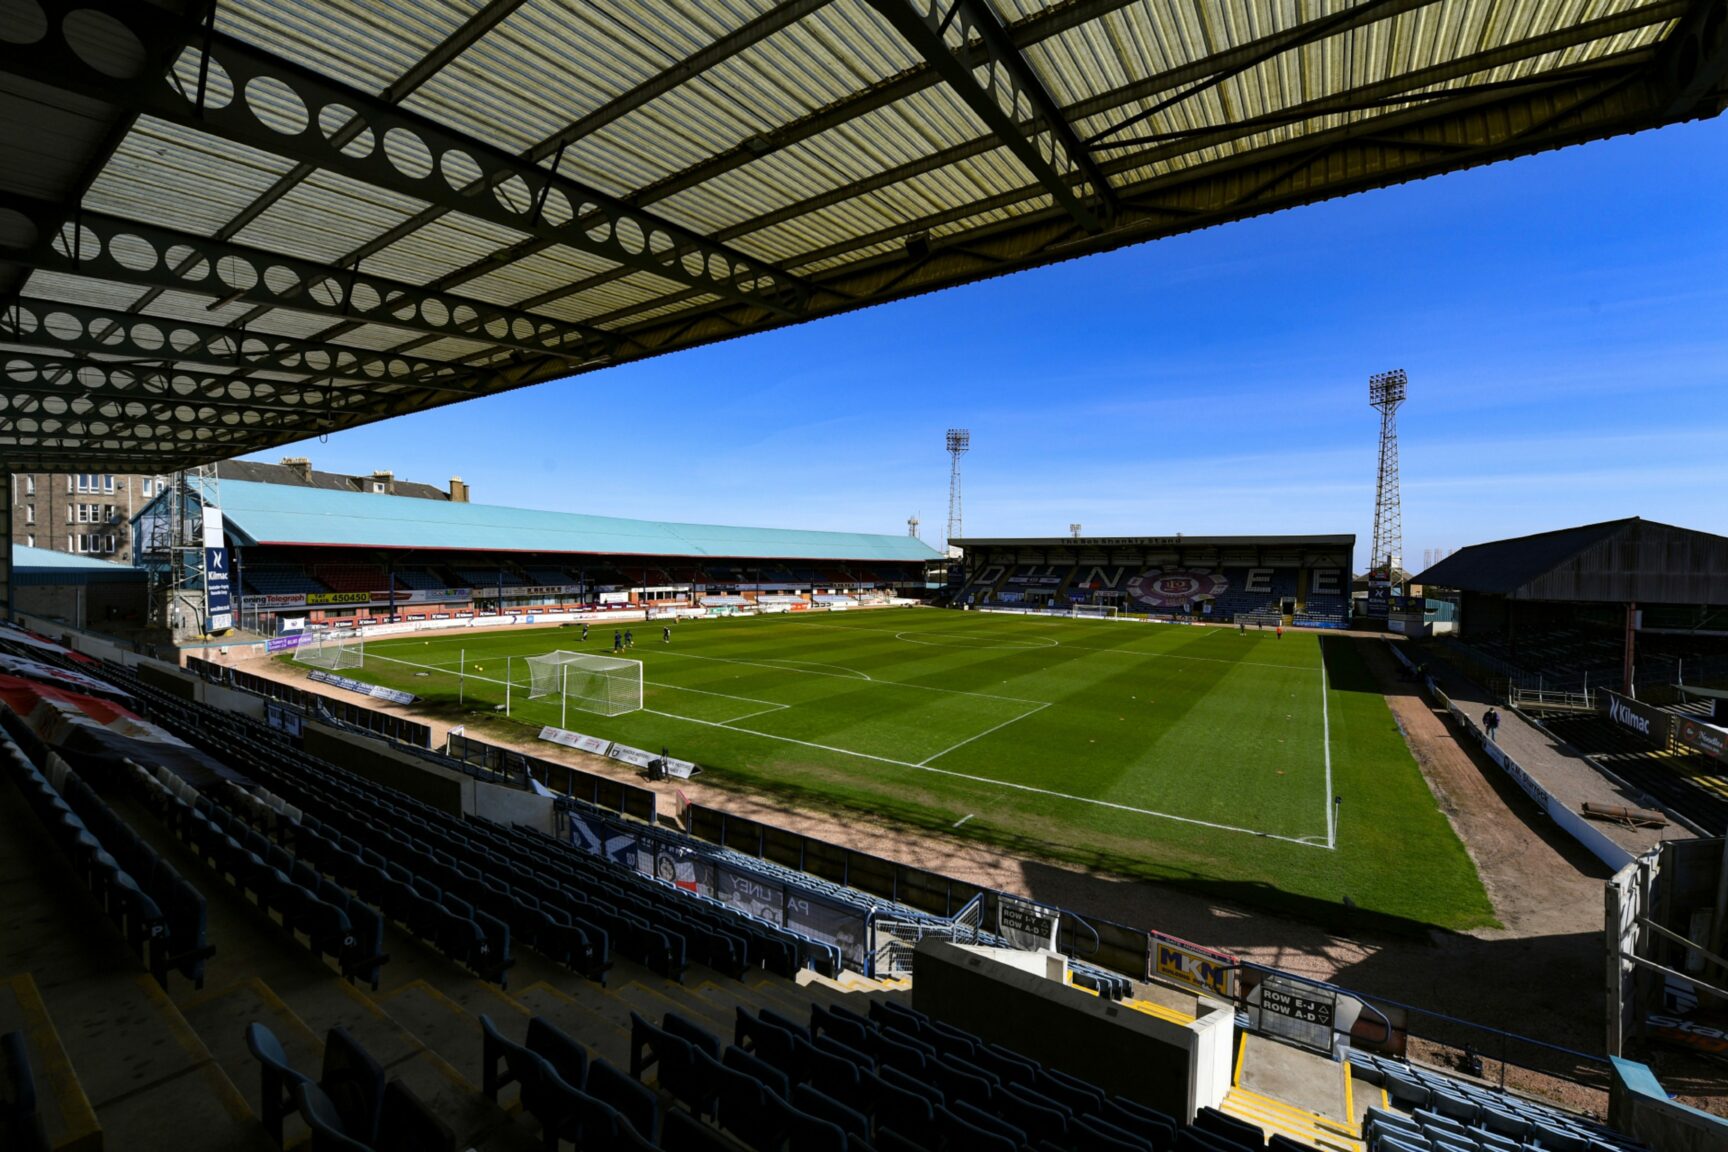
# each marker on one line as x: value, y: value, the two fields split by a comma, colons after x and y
x: 1045, y: 145
x: 781, y: 16
x: 1696, y: 60
x: 75, y: 328
x: 1613, y: 96
x: 286, y: 110
x: 131, y: 252
x: 79, y: 380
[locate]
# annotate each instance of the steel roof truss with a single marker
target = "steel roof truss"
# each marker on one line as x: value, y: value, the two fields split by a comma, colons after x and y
x: 76, y: 328
x: 132, y: 252
x: 399, y: 150
x: 1004, y: 92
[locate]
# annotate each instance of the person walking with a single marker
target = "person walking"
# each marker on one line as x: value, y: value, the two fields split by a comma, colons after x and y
x: 1280, y: 631
x: 1491, y: 725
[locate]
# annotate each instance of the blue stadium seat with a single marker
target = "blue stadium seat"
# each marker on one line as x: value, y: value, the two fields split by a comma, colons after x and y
x: 328, y: 1134
x: 21, y: 1122
x: 407, y: 1125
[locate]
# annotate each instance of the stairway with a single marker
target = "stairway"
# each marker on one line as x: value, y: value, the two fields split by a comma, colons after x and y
x: 1295, y: 1092
x: 423, y: 1023
x: 1275, y: 1116
x: 117, y: 1065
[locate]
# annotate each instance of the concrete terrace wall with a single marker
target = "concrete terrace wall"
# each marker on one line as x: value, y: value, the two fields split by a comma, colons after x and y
x: 1161, y: 1064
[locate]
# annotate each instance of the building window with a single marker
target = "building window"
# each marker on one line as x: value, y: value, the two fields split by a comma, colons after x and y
x: 108, y: 543
x: 146, y: 487
x: 29, y: 513
x: 108, y: 482
x: 108, y: 513
x: 30, y: 540
x: 377, y: 486
x: 29, y: 485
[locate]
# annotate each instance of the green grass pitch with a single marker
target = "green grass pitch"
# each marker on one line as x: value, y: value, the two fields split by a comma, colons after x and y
x: 1195, y: 756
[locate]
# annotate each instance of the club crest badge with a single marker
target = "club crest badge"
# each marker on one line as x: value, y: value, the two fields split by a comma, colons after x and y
x: 1161, y: 589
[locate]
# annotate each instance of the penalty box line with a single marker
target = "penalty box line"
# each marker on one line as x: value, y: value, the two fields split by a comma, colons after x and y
x: 865, y: 680
x: 1304, y: 841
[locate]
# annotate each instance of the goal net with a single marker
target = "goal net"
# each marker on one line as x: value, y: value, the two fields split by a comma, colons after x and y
x: 331, y: 652
x: 1093, y: 610
x: 604, y: 685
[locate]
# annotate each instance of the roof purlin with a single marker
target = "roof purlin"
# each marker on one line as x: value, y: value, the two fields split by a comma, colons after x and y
x: 1011, y: 81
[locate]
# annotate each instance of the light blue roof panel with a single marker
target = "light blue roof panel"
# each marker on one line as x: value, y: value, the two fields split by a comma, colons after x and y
x: 278, y: 514
x: 33, y: 559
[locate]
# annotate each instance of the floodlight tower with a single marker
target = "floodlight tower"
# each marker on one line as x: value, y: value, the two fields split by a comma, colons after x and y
x: 1386, y: 391
x: 959, y: 443
x: 912, y: 523
x: 1074, y: 531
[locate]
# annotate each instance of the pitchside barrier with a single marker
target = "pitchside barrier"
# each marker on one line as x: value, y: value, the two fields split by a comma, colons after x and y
x: 397, y: 728
x: 1582, y: 830
x: 1114, y: 946
x: 774, y: 896
x: 589, y: 787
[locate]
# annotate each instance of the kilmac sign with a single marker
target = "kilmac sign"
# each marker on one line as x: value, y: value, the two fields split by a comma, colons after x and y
x: 1653, y: 724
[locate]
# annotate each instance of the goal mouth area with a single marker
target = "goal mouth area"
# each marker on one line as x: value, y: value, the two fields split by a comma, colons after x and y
x: 607, y: 685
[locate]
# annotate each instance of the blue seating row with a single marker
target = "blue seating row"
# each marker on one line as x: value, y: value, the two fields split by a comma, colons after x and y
x: 162, y: 916
x: 333, y: 924
x: 592, y: 1104
x: 898, y: 1079
x: 1469, y: 1117
x: 350, y: 1107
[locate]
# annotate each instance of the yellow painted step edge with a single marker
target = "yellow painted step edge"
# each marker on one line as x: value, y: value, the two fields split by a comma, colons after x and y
x: 83, y: 1133
x: 1268, y: 1102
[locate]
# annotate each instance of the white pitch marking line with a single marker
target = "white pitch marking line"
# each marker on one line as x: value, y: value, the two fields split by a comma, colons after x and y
x: 1304, y: 842
x: 986, y: 732
x: 963, y: 819
x: 838, y: 676
x: 706, y: 692
x: 1139, y: 653
x: 1326, y: 744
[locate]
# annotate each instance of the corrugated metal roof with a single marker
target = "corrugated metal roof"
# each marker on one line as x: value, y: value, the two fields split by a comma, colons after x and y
x: 30, y: 561
x: 1503, y: 566
x: 278, y: 514
x: 529, y: 189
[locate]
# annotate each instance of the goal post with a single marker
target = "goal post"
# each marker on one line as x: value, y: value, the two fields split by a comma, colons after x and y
x: 1105, y: 611
x: 332, y: 652
x: 604, y: 685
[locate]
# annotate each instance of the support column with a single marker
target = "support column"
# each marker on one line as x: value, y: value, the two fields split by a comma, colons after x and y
x: 1629, y: 652
x: 7, y: 479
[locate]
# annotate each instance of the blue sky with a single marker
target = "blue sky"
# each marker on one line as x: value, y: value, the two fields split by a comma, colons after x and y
x: 1563, y: 320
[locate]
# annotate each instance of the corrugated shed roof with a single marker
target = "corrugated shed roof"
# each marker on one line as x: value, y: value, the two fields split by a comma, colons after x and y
x: 1503, y: 566
x: 30, y: 561
x: 522, y: 190
x: 272, y: 514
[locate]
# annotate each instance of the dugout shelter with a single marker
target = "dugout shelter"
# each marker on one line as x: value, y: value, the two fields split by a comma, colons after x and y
x: 1302, y: 580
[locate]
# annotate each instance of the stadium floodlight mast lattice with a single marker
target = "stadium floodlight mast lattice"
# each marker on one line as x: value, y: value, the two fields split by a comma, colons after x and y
x: 1386, y: 391
x: 1074, y: 531
x: 959, y: 443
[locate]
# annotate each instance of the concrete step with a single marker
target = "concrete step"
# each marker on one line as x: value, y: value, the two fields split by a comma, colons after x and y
x: 592, y: 1021
x: 67, y: 1116
x: 260, y: 972
x: 145, y: 1073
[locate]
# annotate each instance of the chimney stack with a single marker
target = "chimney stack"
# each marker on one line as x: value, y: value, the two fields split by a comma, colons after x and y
x: 301, y: 466
x: 458, y: 491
